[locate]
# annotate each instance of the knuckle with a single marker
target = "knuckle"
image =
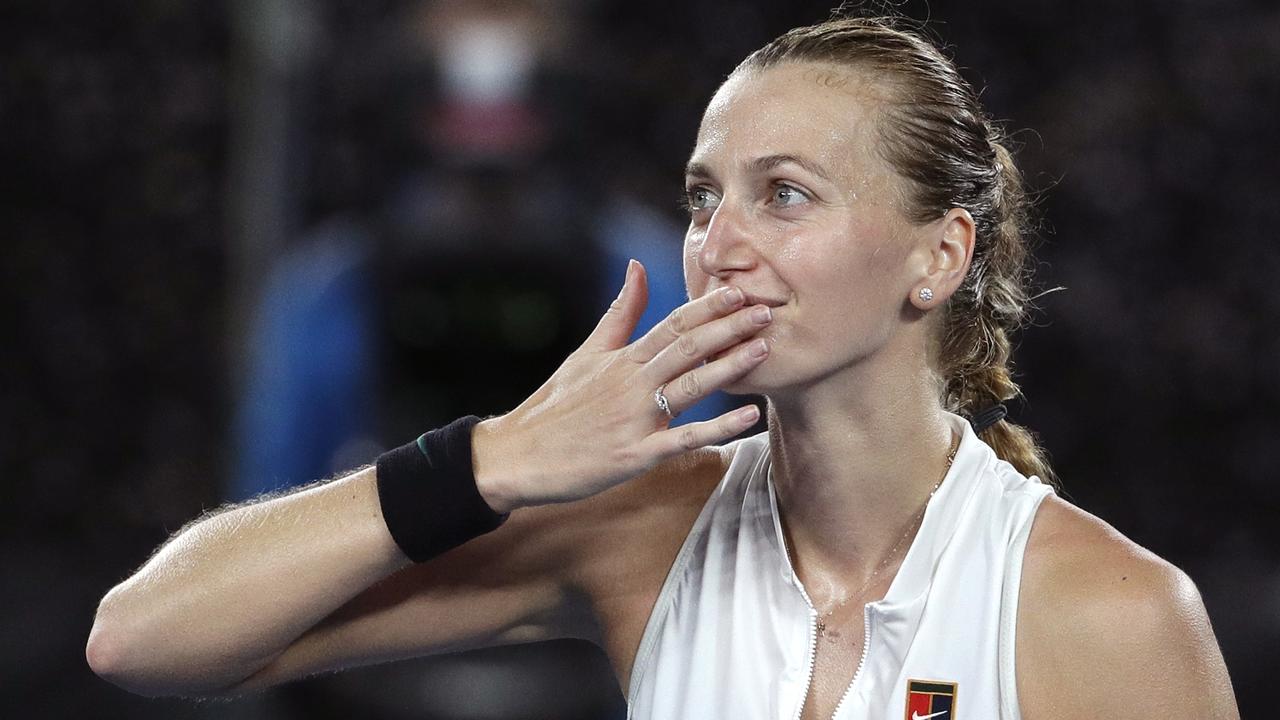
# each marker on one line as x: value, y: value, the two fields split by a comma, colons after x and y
x: 678, y: 320
x: 690, y: 385
x: 626, y: 457
x: 687, y: 346
x: 688, y: 439
x: 747, y: 358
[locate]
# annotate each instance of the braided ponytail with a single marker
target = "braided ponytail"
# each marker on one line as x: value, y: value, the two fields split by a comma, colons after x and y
x: 991, y: 305
x: 936, y: 136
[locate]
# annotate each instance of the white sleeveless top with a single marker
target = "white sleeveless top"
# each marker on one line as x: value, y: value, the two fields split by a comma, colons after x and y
x: 732, y: 633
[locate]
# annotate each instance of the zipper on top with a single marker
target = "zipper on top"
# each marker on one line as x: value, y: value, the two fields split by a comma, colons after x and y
x: 813, y: 620
x: 866, y: 645
x: 813, y: 654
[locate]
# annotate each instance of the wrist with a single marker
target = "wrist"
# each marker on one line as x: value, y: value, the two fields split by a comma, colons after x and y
x: 428, y: 494
x: 492, y: 460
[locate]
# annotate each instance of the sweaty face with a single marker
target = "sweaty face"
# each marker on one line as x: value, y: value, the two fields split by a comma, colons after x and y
x: 790, y: 201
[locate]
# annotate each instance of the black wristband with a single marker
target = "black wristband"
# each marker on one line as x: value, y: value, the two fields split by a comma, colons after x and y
x: 427, y: 490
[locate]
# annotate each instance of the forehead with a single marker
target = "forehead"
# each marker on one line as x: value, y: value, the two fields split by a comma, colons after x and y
x: 826, y: 113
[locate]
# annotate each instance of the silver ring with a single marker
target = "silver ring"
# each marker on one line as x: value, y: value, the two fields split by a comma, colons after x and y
x: 661, y: 400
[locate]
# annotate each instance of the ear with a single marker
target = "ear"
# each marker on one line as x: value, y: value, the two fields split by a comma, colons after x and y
x: 946, y: 253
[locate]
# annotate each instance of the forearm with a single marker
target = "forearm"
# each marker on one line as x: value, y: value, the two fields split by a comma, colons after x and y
x: 225, y: 597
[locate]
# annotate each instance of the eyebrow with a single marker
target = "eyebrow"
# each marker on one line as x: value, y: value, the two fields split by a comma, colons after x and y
x: 763, y: 164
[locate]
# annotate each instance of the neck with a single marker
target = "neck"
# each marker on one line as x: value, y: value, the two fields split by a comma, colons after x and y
x: 853, y: 470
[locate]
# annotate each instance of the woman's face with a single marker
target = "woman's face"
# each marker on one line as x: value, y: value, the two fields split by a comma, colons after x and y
x: 789, y: 201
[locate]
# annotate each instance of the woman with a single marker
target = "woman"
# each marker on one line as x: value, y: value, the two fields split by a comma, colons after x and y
x: 854, y: 253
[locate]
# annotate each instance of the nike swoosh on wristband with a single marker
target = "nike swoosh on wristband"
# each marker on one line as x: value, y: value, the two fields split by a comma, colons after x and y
x: 918, y: 716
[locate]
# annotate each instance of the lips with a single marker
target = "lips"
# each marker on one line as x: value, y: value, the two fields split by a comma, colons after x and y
x: 758, y: 300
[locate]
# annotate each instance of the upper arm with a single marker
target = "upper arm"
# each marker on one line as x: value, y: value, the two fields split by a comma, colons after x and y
x: 1107, y: 629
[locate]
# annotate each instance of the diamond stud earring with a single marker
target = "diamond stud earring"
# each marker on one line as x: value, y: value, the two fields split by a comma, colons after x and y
x: 926, y: 294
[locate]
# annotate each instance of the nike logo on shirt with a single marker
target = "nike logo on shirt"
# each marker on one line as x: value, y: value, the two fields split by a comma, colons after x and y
x: 918, y: 716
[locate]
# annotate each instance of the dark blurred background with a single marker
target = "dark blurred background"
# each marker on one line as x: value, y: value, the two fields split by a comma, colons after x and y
x: 248, y: 244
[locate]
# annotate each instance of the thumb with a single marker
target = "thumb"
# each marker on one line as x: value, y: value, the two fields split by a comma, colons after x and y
x: 619, y: 321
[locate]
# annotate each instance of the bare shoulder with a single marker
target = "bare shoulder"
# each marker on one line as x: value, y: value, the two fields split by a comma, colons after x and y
x: 639, y: 521
x: 629, y: 537
x: 673, y: 480
x: 1107, y: 628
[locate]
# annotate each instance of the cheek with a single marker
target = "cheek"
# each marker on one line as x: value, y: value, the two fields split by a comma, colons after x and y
x: 882, y: 258
x: 860, y: 277
x: 695, y: 281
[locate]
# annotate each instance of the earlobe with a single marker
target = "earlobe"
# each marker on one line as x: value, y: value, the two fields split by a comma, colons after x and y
x: 922, y: 298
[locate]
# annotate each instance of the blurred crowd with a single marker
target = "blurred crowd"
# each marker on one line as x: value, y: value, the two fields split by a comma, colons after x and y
x: 247, y: 245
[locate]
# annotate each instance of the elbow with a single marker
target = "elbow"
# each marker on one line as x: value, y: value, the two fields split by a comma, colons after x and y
x: 108, y: 658
x: 103, y: 650
x: 100, y: 653
x: 118, y: 652
x: 108, y: 655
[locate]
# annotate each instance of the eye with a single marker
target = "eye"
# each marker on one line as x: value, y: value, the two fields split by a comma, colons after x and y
x: 699, y: 198
x: 787, y: 196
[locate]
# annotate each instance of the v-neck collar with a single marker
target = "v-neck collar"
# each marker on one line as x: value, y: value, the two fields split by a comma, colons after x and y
x: 941, y: 518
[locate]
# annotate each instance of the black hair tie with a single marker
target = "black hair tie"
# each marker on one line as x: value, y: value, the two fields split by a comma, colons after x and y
x: 984, y: 419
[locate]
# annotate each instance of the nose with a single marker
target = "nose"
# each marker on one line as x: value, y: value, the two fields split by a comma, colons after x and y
x: 726, y: 245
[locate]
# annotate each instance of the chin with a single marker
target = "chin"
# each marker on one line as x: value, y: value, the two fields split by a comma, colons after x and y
x: 759, y: 381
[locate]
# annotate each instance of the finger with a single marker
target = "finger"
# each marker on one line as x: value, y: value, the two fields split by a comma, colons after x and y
x: 619, y: 321
x: 687, y: 389
x: 685, y: 318
x: 703, y: 342
x: 676, y: 440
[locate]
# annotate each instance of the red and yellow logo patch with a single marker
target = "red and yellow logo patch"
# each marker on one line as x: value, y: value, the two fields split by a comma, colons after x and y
x: 931, y: 699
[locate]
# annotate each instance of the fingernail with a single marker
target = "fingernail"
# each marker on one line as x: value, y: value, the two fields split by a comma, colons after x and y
x: 626, y: 277
x: 750, y: 413
x: 733, y: 296
x: 759, y: 348
x: 762, y: 314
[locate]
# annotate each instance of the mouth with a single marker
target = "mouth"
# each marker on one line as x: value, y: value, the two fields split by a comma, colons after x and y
x: 751, y: 301
x: 758, y: 300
